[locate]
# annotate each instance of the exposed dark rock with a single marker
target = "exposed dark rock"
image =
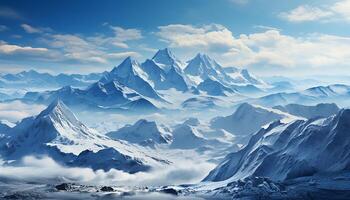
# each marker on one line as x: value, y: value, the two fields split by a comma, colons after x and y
x: 63, y: 186
x: 170, y: 191
x: 107, y: 189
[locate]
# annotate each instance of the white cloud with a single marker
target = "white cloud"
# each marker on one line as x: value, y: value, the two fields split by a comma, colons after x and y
x: 93, y: 49
x: 122, y: 55
x: 265, y: 49
x: 188, y: 36
x: 74, y: 47
x: 16, y: 110
x: 29, y: 29
x: 266, y: 27
x: 126, y: 34
x: 46, y: 170
x: 305, y: 13
x: 3, y: 28
x: 123, y: 35
x: 342, y: 8
x: 271, y: 48
x: 16, y: 49
x: 120, y: 38
x: 338, y: 11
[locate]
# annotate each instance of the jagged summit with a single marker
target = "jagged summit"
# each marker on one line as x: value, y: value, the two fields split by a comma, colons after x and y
x: 200, y: 64
x: 61, y: 120
x: 143, y: 132
x: 57, y: 106
x: 131, y: 74
x: 215, y: 88
x: 164, y: 56
x: 166, y: 60
x: 202, y: 67
x: 129, y: 65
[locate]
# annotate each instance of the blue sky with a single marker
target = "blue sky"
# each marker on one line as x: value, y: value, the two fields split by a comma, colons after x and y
x: 266, y: 36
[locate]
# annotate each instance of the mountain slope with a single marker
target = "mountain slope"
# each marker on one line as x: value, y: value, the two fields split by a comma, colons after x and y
x: 4, y: 128
x: 320, y: 94
x: 143, y: 132
x: 319, y: 110
x: 130, y: 74
x: 247, y: 119
x: 110, y: 95
x: 166, y: 60
x: 285, y: 151
x: 202, y: 67
x: 165, y: 72
x: 214, y: 88
x: 242, y: 76
x: 188, y: 137
x: 58, y: 133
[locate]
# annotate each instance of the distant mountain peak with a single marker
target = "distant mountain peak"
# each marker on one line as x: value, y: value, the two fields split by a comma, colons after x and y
x: 166, y: 59
x: 128, y: 66
x: 204, y: 66
x: 55, y: 106
x: 142, y: 132
x: 202, y: 56
x: 58, y: 112
x: 161, y: 53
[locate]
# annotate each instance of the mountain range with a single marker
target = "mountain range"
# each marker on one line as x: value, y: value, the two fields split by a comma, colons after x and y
x: 319, y: 94
x: 147, y: 82
x: 34, y: 79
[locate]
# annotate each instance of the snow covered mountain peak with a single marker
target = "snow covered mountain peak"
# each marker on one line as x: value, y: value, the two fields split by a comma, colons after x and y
x: 131, y: 74
x: 129, y: 65
x: 166, y: 60
x: 202, y: 67
x: 56, y: 132
x: 164, y: 56
x: 250, y: 78
x: 61, y: 120
x: 203, y: 57
x: 203, y: 62
x: 57, y: 107
x: 143, y: 132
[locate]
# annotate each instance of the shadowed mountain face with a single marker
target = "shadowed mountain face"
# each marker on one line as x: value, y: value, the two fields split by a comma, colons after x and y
x: 247, y: 119
x: 143, y: 132
x: 319, y: 110
x: 285, y: 151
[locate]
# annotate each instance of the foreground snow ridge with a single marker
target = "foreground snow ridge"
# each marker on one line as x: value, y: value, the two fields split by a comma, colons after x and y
x: 296, y: 149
